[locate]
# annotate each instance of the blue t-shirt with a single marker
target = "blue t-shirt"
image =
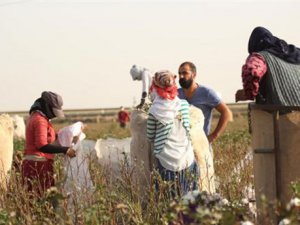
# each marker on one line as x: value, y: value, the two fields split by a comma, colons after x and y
x: 205, y: 99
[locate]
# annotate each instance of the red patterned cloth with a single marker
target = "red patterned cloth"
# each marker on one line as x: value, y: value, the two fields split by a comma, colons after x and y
x: 252, y: 72
x: 166, y: 92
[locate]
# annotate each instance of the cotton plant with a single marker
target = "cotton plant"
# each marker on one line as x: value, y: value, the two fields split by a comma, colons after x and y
x: 190, y: 197
x: 285, y: 222
x: 247, y: 223
x: 294, y: 203
x: 291, y: 212
x: 203, y: 208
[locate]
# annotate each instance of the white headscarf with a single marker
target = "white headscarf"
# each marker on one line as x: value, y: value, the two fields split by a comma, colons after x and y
x: 164, y: 110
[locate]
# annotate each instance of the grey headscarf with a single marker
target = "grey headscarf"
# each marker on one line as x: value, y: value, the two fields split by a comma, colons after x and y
x: 50, y: 104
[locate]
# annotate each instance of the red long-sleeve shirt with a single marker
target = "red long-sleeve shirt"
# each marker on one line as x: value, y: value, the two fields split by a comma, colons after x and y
x: 39, y: 132
x: 123, y: 117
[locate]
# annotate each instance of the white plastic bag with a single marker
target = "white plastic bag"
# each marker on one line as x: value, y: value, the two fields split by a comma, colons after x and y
x: 78, y: 179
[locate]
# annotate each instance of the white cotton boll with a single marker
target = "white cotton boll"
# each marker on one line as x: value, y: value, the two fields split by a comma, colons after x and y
x: 195, y: 193
x: 245, y: 201
x: 285, y: 222
x: 246, y: 223
x: 225, y: 201
x: 248, y: 191
x: 190, y: 197
x: 295, y: 202
x: 186, y: 199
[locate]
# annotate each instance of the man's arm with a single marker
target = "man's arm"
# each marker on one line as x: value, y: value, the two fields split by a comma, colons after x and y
x: 225, y: 117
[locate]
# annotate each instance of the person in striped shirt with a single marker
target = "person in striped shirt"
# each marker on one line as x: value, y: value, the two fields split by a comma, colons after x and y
x: 168, y: 127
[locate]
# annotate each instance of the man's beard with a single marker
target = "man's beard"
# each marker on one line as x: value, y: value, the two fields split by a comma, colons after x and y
x: 185, y: 83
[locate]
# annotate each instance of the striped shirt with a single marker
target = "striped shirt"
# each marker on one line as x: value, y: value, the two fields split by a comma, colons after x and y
x: 158, y: 132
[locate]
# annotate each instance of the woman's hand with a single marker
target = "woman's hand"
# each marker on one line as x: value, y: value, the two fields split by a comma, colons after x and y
x: 71, y: 152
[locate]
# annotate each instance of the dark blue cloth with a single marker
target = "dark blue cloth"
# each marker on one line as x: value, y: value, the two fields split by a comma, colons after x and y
x: 262, y: 39
x: 181, y: 181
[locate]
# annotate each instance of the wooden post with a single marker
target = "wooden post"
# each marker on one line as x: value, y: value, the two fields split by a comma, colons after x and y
x: 277, y: 153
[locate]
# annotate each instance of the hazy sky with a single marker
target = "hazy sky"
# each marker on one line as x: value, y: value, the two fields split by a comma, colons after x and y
x: 83, y: 49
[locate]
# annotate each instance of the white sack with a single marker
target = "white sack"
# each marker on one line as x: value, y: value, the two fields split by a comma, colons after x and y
x: 6, y: 147
x: 112, y: 152
x: 77, y: 169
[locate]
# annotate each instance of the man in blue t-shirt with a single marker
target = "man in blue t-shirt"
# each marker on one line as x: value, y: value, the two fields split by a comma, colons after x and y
x: 204, y: 98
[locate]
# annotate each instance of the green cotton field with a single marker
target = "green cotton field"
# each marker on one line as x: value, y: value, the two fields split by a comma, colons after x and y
x: 119, y: 201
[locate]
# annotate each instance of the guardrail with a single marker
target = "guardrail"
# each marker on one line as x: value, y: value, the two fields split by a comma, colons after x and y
x: 108, y: 114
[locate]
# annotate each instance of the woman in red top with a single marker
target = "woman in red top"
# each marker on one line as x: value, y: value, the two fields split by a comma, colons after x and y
x: 123, y: 117
x: 37, y: 166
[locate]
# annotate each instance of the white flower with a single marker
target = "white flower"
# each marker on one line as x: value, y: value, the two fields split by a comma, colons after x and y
x: 190, y: 197
x: 285, y: 222
x: 295, y: 202
x: 246, y: 223
x: 225, y: 201
x: 245, y: 201
x: 52, y: 190
x: 195, y: 193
